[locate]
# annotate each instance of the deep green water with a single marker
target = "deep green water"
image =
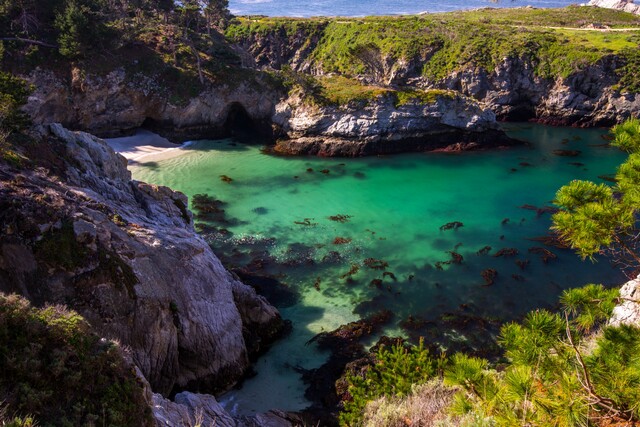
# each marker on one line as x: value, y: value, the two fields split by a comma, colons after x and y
x: 397, y: 205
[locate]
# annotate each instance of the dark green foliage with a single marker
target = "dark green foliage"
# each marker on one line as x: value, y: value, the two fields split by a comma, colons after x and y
x: 54, y: 369
x: 77, y: 28
x: 13, y: 95
x: 395, y: 371
x: 557, y: 374
x: 595, y: 218
x: 74, y: 26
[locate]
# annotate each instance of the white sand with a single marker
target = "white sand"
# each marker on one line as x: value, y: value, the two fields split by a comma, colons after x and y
x: 146, y: 146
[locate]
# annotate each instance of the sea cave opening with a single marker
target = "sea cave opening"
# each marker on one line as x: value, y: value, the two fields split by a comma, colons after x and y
x: 239, y: 125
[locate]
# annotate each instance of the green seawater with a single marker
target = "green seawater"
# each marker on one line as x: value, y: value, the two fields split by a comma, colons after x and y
x: 278, y: 224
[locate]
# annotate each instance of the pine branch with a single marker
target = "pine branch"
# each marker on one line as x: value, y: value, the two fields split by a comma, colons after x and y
x: 36, y: 42
x: 595, y: 399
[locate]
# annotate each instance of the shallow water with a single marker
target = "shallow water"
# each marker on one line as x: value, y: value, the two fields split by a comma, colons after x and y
x: 372, y: 7
x: 396, y: 205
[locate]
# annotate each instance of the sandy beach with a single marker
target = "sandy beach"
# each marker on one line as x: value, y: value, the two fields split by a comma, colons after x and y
x: 146, y: 146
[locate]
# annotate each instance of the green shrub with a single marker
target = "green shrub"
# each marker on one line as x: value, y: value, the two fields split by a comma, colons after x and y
x: 394, y: 373
x: 53, y: 368
x: 558, y: 374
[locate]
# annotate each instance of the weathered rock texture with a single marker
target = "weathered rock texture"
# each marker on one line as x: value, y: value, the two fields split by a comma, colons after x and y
x: 624, y: 5
x: 513, y: 90
x: 76, y: 230
x: 108, y: 105
x: 189, y: 409
x: 376, y: 126
x: 628, y: 311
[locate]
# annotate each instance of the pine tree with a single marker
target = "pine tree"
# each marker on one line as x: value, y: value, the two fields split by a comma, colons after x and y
x: 596, y: 218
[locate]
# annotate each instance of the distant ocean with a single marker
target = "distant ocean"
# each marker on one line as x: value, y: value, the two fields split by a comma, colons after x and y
x: 307, y: 8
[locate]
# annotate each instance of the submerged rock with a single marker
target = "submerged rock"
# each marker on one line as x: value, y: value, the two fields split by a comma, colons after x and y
x: 78, y: 231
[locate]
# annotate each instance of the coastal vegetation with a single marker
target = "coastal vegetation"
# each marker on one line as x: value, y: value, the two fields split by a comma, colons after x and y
x: 13, y: 95
x: 558, y: 369
x: 598, y: 217
x: 338, y: 90
x: 558, y: 41
x: 56, y: 372
x: 169, y: 48
x: 566, y: 368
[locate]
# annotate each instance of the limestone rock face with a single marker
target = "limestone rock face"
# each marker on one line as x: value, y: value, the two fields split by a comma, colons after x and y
x: 78, y: 231
x: 624, y: 5
x: 513, y: 91
x: 628, y: 312
x: 587, y: 97
x: 379, y: 126
x: 202, y: 409
x: 110, y: 104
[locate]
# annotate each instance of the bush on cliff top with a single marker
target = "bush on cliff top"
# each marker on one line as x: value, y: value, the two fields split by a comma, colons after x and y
x: 444, y: 43
x: 53, y: 369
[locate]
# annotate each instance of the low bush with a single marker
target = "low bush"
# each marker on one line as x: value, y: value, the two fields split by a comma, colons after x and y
x: 56, y: 372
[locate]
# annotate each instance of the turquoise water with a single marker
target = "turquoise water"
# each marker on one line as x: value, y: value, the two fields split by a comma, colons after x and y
x: 372, y: 7
x: 396, y: 206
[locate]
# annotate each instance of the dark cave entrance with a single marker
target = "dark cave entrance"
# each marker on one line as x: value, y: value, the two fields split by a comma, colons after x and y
x: 239, y: 125
x: 150, y: 125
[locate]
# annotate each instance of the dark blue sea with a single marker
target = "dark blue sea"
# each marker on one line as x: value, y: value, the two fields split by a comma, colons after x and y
x: 373, y: 7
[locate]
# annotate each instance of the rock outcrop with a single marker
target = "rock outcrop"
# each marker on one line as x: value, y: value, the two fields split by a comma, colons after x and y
x: 448, y: 122
x: 624, y: 5
x: 188, y: 409
x: 513, y: 89
x: 118, y: 102
x: 76, y: 230
x: 628, y: 311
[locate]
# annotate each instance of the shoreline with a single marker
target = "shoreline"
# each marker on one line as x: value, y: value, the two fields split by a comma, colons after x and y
x: 145, y: 146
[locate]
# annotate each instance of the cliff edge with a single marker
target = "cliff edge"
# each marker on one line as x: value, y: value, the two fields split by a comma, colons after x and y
x: 76, y: 230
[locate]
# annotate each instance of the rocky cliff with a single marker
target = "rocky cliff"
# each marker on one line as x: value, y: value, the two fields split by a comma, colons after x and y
x: 627, y: 312
x: 514, y: 91
x: 120, y: 101
x: 559, y: 66
x: 76, y: 230
x: 624, y: 5
x: 445, y: 121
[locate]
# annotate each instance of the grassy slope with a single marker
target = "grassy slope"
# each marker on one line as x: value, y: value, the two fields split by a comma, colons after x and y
x: 555, y: 39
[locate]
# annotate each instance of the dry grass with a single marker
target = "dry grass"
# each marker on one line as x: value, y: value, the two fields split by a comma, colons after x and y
x: 424, y: 407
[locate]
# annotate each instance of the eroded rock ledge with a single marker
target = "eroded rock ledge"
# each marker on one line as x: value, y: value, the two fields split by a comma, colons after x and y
x: 450, y: 122
x: 116, y: 103
x: 76, y: 230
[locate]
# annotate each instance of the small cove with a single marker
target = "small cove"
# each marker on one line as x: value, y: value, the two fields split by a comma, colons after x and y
x: 389, y: 209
